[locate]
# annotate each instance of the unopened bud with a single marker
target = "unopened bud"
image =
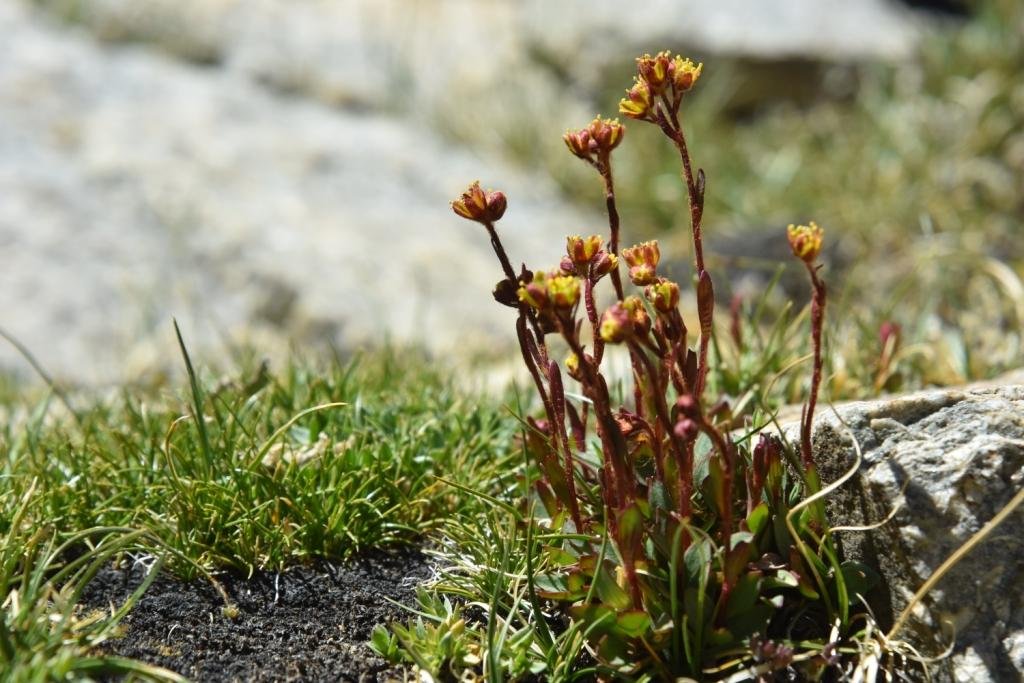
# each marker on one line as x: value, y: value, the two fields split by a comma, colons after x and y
x: 578, y: 142
x: 505, y: 293
x: 582, y: 249
x: 637, y: 315
x: 477, y: 205
x: 687, y: 429
x: 616, y: 325
x: 604, y: 262
x: 605, y: 134
x: 663, y: 295
x: 689, y: 406
x: 655, y: 71
x: 643, y: 262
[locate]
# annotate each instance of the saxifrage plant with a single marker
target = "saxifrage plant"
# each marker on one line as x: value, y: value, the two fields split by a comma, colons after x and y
x: 686, y: 549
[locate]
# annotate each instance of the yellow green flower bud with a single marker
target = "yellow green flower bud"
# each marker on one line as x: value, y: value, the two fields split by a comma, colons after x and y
x: 535, y: 292
x: 582, y: 249
x: 805, y: 241
x: 563, y: 291
x: 638, y: 101
x: 637, y: 312
x: 685, y: 73
x: 663, y: 295
x: 616, y: 325
x: 643, y: 262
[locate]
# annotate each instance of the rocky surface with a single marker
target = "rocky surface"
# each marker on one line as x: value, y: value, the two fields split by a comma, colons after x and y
x: 950, y: 460
x: 134, y: 188
x: 272, y: 172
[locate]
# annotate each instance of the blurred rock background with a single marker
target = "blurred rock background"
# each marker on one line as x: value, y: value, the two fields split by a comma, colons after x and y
x: 276, y: 174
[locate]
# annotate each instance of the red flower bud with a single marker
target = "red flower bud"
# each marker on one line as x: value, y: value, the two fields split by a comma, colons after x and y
x: 605, y: 134
x: 604, y: 262
x: 582, y: 249
x: 655, y: 71
x: 688, y: 406
x: 890, y: 330
x: 480, y: 206
x: 687, y: 429
x: 578, y: 142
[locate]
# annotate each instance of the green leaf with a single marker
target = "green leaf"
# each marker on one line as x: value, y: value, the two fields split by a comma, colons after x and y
x: 744, y: 595
x: 556, y: 586
x: 752, y: 620
x: 697, y: 558
x: 758, y: 518
x: 736, y: 561
x: 631, y: 527
x: 558, y: 556
x: 714, y: 485
x: 658, y: 496
x: 697, y: 612
x: 859, y: 578
x: 632, y: 623
x: 783, y: 579
x: 609, y: 591
x: 598, y: 620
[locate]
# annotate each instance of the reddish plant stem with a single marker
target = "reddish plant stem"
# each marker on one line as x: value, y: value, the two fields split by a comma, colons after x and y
x: 588, y: 298
x: 499, y: 250
x: 611, y: 436
x: 662, y: 413
x: 604, y: 167
x: 558, y: 404
x: 672, y: 129
x: 725, y: 448
x: 817, y: 323
x: 539, y: 349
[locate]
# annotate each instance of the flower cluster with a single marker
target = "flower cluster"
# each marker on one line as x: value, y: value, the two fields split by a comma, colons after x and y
x: 596, y: 141
x: 682, y: 501
x: 658, y: 76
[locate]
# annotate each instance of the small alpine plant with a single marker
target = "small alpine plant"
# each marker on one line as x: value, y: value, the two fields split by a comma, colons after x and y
x: 684, y: 547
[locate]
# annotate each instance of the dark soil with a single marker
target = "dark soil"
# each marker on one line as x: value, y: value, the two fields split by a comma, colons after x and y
x: 303, y: 624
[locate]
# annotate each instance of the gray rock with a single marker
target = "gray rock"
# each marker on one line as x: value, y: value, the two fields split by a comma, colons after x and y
x: 353, y: 52
x: 951, y: 459
x: 134, y: 188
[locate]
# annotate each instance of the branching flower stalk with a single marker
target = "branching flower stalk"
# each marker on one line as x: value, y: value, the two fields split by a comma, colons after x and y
x: 656, y: 97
